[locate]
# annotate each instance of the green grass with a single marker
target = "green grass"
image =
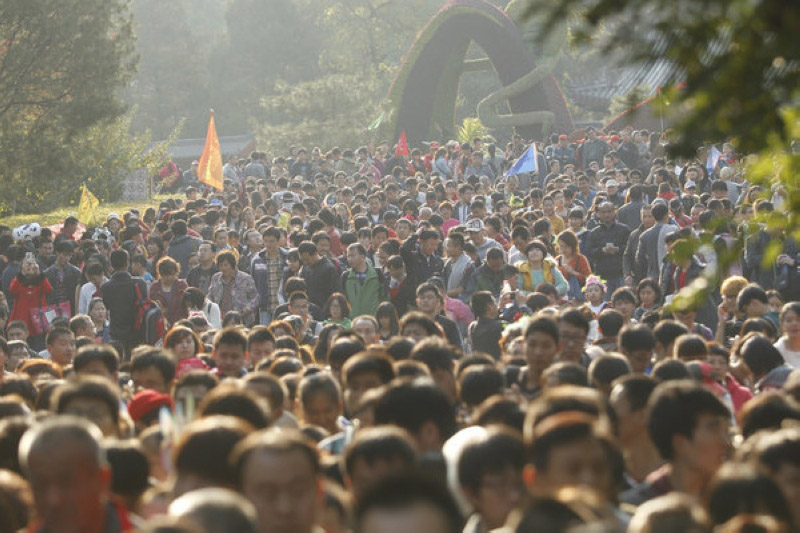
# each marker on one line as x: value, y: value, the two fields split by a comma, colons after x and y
x: 58, y: 215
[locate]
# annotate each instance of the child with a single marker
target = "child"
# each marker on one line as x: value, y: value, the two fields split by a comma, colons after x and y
x: 719, y: 359
x: 595, y: 291
x: 775, y: 301
x: 486, y: 331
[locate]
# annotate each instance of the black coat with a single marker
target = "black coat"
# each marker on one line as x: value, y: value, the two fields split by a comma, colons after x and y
x: 119, y: 296
x: 608, y: 266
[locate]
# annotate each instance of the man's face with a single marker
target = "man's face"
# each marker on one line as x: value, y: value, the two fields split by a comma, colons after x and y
x: 367, y: 330
x: 230, y: 359
x: 357, y: 385
x: 452, y: 249
x: 647, y: 218
x: 69, y: 489
x: 221, y: 239
x: 548, y: 207
x: 427, y: 302
x: 573, y: 339
x: 355, y: 259
x: 540, y: 351
x: 94, y: 410
x: 254, y: 241
x: 495, y: 264
x: 499, y: 493
x: 414, y: 332
x: 17, y: 334
x: 62, y: 350
x: 46, y: 249
x: 580, y: 463
x: 150, y: 378
x: 429, y: 246
x: 374, y: 206
x: 625, y: 307
x: 284, y: 490
x: 709, y: 445
x: 324, y: 247
x: 403, y: 230
x: 477, y: 237
x: 205, y: 253
x: 260, y: 351
x: 606, y: 214
x: 299, y: 307
x: 639, y: 360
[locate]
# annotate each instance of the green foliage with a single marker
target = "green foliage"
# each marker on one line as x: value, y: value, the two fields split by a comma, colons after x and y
x: 472, y: 128
x: 335, y: 109
x: 621, y: 103
x: 62, y: 64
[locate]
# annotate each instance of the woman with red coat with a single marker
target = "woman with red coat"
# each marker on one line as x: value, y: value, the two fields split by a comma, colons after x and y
x: 168, y: 290
x: 573, y: 265
x: 29, y: 289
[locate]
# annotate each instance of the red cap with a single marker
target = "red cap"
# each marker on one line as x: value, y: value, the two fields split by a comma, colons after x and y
x: 614, y: 138
x: 434, y: 145
x: 562, y: 137
x: 192, y: 363
x: 146, y: 402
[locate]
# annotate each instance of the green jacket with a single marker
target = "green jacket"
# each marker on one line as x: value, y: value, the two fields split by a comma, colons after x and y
x: 364, y: 299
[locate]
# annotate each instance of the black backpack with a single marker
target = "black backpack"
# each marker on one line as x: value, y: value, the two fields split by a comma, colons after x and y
x: 149, y: 325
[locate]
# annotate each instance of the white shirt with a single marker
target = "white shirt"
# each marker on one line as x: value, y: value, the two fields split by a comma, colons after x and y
x: 790, y: 356
x: 88, y: 290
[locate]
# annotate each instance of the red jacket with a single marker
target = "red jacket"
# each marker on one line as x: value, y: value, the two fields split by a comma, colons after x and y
x: 28, y: 297
x: 739, y: 393
x: 172, y: 305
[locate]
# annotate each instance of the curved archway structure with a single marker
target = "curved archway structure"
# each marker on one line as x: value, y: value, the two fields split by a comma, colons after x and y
x: 425, y: 89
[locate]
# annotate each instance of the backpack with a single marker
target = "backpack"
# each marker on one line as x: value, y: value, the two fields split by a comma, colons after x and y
x: 149, y: 325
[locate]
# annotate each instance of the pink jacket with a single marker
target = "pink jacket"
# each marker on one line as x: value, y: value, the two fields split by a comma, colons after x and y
x: 739, y: 393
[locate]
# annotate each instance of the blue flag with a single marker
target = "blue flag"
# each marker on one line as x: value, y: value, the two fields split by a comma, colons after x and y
x: 526, y: 162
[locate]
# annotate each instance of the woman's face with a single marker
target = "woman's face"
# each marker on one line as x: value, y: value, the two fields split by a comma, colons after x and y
x: 594, y: 294
x: 565, y: 248
x: 185, y: 348
x: 335, y: 310
x: 168, y: 279
x: 535, y: 255
x: 294, y: 264
x: 647, y: 296
x: 791, y: 324
x: 98, y: 312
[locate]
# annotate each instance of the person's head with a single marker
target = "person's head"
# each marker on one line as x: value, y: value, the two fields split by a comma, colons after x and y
x: 759, y: 354
x: 320, y: 401
x: 484, y: 305
x: 636, y: 342
x: 364, y: 372
x: 337, y: 307
x: 489, y: 474
x: 211, y: 436
x: 568, y: 448
x: 260, y: 345
x: 752, y: 301
x: 230, y: 347
x: 167, y: 269
x: 421, y: 408
x: 279, y: 471
x: 217, y: 509
x: 624, y: 301
x: 375, y: 453
x: 91, y: 398
x: 408, y: 502
x: 67, y: 448
x: 628, y: 399
x: 607, y: 368
x: 778, y: 455
x: 195, y: 383
x: 226, y: 263
x: 152, y: 369
x: 93, y: 360
x: 15, y: 353
x: 742, y: 489
x: 648, y: 292
x: 542, y: 343
x: 440, y: 359
x: 573, y: 329
x: 689, y: 426
x: 17, y: 330
x: 666, y: 332
x: 183, y: 342
x: 675, y: 511
x: 61, y: 345
x: 417, y: 326
x: 428, y: 298
x: 367, y: 327
x: 690, y: 347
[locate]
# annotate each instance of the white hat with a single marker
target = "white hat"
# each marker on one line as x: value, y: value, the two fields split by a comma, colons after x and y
x: 612, y: 183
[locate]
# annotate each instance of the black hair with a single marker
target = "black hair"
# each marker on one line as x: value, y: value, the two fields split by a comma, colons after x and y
x: 493, y: 453
x: 153, y: 357
x: 479, y: 382
x: 759, y: 354
x: 105, y: 353
x: 604, y: 370
x: 634, y: 337
x: 575, y: 317
x: 411, y: 404
x: 543, y: 324
x: 610, y: 322
x: 675, y: 408
x: 637, y: 389
x: 480, y: 302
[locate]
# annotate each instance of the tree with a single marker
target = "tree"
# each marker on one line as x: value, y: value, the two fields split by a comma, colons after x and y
x: 737, y: 63
x: 62, y: 65
x: 172, y: 79
x: 267, y: 41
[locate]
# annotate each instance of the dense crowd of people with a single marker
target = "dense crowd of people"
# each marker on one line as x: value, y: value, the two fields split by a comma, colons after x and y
x: 363, y: 340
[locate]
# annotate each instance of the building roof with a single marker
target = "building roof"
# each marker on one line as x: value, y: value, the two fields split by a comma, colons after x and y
x: 189, y: 149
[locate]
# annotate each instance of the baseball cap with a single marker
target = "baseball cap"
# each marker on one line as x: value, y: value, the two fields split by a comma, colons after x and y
x: 215, y: 203
x: 690, y: 184
x: 147, y: 401
x: 562, y: 137
x: 612, y: 183
x: 614, y: 138
x: 113, y: 216
x: 475, y: 225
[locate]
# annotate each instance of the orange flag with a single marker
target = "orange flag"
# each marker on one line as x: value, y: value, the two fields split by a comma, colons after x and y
x: 209, y: 171
x: 402, y: 145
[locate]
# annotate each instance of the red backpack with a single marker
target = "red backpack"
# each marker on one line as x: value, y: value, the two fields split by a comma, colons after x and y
x: 149, y: 325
